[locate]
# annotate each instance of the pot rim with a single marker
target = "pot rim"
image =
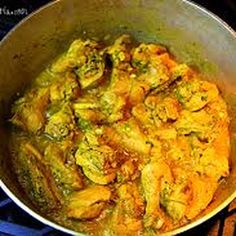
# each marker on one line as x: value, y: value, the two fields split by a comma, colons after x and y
x: 56, y: 226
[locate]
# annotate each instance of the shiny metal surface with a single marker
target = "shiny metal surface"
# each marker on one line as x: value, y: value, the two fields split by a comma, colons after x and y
x: 191, y: 33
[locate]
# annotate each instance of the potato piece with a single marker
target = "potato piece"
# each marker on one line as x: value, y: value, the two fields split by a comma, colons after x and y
x: 138, y: 91
x: 88, y: 203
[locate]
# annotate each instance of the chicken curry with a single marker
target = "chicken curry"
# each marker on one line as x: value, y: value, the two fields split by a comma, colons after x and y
x: 120, y: 139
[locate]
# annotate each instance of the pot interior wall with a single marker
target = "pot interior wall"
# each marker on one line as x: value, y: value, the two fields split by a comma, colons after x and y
x: 191, y: 35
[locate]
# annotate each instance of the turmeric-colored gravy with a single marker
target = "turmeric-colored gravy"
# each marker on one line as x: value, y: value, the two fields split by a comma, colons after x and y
x: 120, y: 139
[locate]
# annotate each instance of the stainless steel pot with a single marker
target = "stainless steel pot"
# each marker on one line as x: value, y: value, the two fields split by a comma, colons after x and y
x: 191, y: 33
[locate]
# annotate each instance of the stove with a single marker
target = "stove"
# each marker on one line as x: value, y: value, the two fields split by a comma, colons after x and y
x: 16, y: 222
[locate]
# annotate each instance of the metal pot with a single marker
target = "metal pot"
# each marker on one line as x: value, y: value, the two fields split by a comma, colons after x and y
x: 190, y: 32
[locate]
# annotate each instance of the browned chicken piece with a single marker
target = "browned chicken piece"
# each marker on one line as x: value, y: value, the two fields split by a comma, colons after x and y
x: 88, y: 203
x: 115, y: 97
x: 202, y: 190
x: 120, y: 50
x: 34, y: 178
x: 195, y: 94
x: 127, y: 215
x: 88, y: 110
x: 85, y: 59
x: 29, y: 111
x: 97, y: 161
x: 121, y: 80
x: 137, y: 92
x: 61, y: 123
x: 128, y: 171
x: 67, y: 177
x: 181, y: 71
x: 149, y: 66
x: 199, y: 123
x: 112, y: 106
x: 144, y: 115
x: 153, y: 175
x: 65, y: 89
x: 212, y: 164
x: 166, y: 109
x: 129, y: 135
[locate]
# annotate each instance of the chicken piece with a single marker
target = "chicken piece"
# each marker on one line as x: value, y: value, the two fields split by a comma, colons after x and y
x: 150, y: 67
x: 202, y: 192
x: 126, y: 218
x: 212, y: 164
x: 144, y: 115
x: 181, y: 71
x: 174, y: 198
x: 85, y: 59
x: 29, y: 111
x: 61, y: 123
x: 64, y: 89
x: 218, y: 109
x: 180, y: 149
x: 88, y: 203
x: 128, y: 171
x: 120, y: 50
x: 44, y: 79
x: 168, y: 109
x: 153, y: 175
x: 129, y: 135
x: 167, y: 60
x: 96, y: 160
x: 63, y: 64
x: 145, y: 53
x: 67, y: 177
x: 138, y: 91
x: 112, y: 106
x: 200, y: 123
x: 88, y: 110
x: 34, y: 178
x: 195, y: 94
x: 166, y: 133
x: 121, y: 81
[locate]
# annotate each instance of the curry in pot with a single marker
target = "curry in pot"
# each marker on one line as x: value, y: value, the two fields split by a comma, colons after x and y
x: 120, y: 139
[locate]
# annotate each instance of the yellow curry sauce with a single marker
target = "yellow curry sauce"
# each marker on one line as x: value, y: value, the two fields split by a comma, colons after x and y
x: 120, y: 139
